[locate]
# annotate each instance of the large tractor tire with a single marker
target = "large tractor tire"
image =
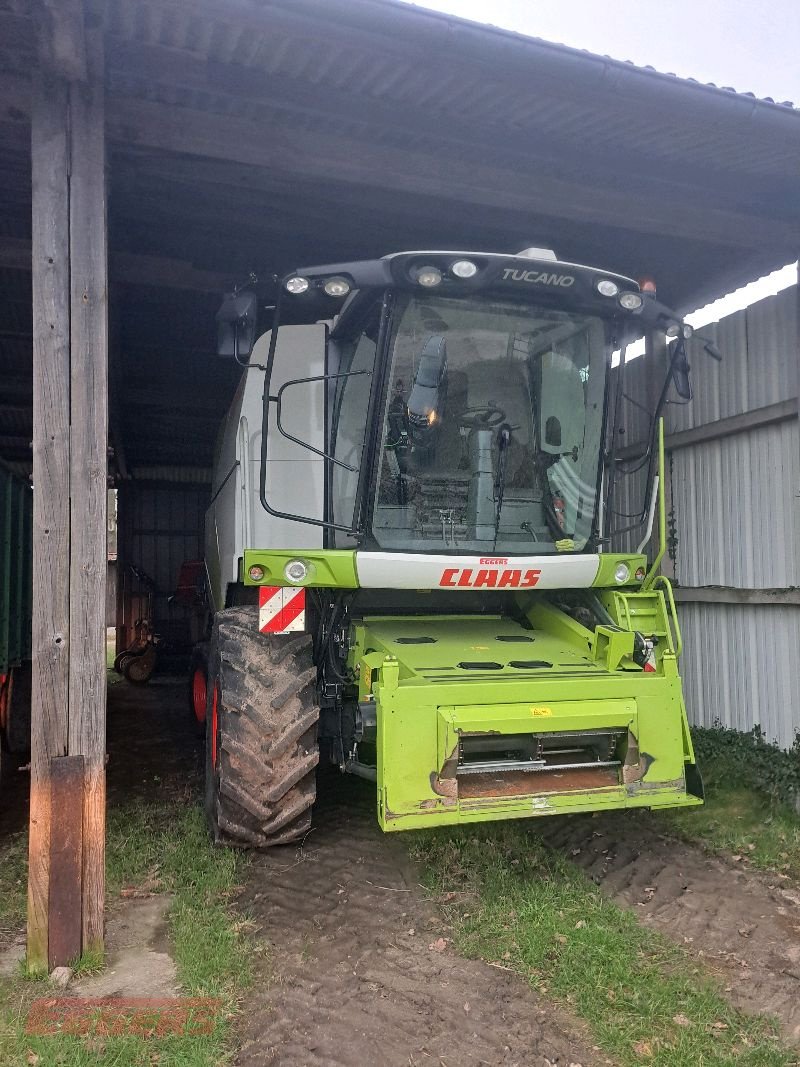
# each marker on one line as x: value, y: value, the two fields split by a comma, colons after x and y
x: 261, y: 733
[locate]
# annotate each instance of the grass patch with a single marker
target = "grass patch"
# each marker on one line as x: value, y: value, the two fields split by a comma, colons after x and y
x: 13, y: 884
x: 152, y: 847
x: 514, y: 902
x: 737, y: 820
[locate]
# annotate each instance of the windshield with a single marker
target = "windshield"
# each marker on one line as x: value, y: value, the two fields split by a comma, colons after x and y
x: 491, y: 428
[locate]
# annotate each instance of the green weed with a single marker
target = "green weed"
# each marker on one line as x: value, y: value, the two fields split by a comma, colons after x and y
x: 515, y: 902
x: 152, y: 847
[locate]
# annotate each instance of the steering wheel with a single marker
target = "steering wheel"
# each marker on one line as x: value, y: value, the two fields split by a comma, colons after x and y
x: 482, y: 418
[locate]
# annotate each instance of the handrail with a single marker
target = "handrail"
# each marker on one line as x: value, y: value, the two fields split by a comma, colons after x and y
x: 650, y: 577
x: 677, y: 636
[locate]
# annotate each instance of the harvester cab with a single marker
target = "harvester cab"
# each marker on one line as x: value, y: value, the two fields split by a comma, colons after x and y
x: 425, y: 562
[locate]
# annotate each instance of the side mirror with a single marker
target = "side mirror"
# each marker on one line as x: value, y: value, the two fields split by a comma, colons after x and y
x: 680, y: 375
x: 236, y: 324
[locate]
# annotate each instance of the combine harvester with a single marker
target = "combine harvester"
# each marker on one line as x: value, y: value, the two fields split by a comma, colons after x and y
x: 408, y: 550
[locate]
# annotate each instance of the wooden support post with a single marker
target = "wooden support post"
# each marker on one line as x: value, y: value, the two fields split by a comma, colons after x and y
x: 66, y: 860
x: 88, y: 476
x: 51, y: 386
x: 70, y: 409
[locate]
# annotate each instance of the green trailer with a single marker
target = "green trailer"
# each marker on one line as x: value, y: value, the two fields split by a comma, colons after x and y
x: 16, y: 519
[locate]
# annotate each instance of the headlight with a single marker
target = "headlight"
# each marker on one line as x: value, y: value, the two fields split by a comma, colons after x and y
x: 631, y: 301
x: 337, y: 287
x: 256, y: 573
x: 680, y: 329
x: 622, y: 573
x: 464, y: 268
x: 606, y: 287
x: 296, y: 571
x: 296, y: 285
x: 429, y: 276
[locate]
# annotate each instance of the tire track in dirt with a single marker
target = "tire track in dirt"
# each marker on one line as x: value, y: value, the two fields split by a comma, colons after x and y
x: 350, y: 977
x: 745, y: 925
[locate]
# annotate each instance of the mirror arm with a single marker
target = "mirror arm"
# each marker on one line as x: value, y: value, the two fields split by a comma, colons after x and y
x: 709, y: 347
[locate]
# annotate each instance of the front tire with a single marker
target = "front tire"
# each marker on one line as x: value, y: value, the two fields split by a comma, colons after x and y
x: 261, y: 733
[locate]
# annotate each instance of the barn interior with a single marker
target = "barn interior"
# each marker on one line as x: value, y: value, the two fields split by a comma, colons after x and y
x: 245, y: 137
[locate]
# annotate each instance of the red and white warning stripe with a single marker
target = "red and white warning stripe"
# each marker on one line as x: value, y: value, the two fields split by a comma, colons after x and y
x: 281, y: 611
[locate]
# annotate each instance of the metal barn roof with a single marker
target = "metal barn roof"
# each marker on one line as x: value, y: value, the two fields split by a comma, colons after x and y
x: 252, y: 136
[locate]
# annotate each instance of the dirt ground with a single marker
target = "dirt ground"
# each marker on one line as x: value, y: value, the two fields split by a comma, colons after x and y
x: 743, y: 924
x: 360, y: 968
x: 349, y: 975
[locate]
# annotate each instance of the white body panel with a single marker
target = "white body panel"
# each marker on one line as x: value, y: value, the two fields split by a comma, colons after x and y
x: 396, y: 570
x: 235, y: 519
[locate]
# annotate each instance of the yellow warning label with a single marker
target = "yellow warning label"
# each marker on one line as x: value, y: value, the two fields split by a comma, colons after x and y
x: 541, y: 712
x: 479, y: 648
x: 368, y: 679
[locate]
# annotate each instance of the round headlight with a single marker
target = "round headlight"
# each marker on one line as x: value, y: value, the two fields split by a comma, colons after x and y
x: 337, y: 287
x: 680, y: 329
x: 296, y: 285
x: 256, y: 573
x: 464, y: 268
x: 429, y: 276
x: 622, y: 573
x: 295, y: 571
x: 606, y: 287
x: 631, y: 301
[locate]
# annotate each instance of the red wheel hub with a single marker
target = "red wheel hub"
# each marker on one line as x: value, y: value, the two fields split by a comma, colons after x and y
x: 199, y: 694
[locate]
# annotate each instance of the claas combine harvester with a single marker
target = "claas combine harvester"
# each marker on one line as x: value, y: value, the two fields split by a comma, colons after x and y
x: 409, y: 549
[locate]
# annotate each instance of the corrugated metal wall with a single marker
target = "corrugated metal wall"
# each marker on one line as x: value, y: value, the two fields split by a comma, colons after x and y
x: 160, y: 524
x: 736, y: 506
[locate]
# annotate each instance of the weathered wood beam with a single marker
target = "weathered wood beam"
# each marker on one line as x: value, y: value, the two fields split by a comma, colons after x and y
x: 88, y: 475
x: 66, y: 856
x: 526, y: 186
x: 181, y: 69
x: 61, y: 39
x: 130, y: 269
x: 362, y: 163
x: 51, y: 386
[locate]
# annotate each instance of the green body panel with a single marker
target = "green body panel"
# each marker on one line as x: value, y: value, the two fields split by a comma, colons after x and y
x: 16, y: 523
x: 445, y: 687
x: 608, y: 564
x: 565, y: 680
x: 332, y: 568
